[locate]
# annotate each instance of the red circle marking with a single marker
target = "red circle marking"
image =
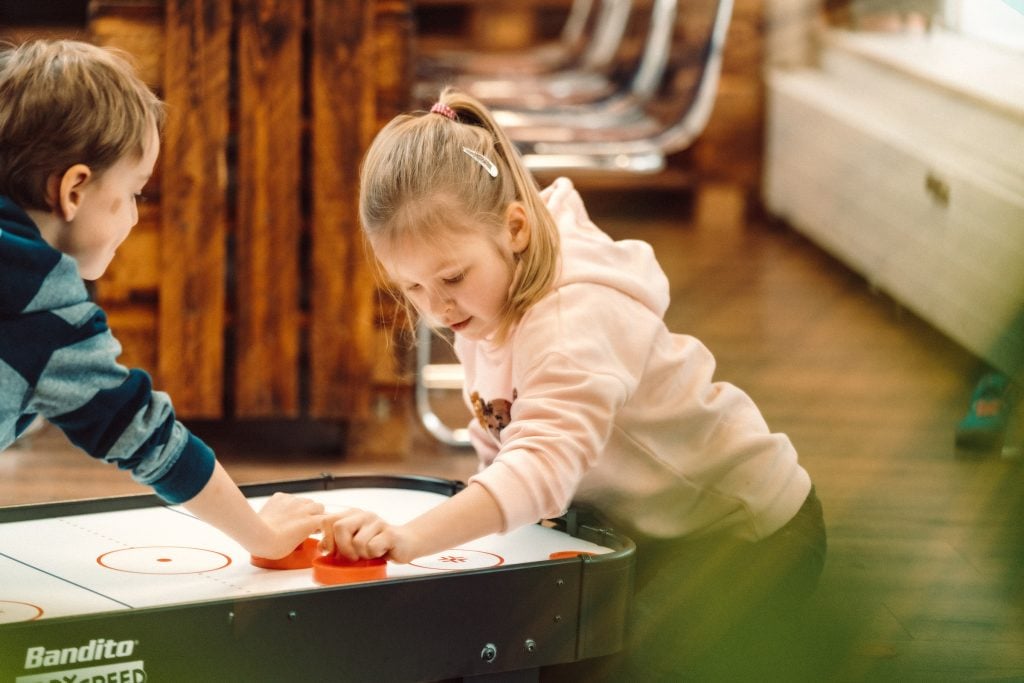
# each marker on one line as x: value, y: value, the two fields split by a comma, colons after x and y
x: 457, y: 559
x: 21, y: 606
x: 138, y: 562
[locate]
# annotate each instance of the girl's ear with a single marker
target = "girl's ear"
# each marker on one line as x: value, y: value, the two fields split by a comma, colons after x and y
x: 71, y: 190
x: 518, y: 226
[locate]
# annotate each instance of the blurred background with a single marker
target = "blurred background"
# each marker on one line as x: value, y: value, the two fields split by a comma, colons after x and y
x: 834, y: 187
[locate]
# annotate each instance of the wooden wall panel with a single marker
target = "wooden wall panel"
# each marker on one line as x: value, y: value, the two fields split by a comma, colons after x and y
x: 135, y: 26
x: 269, y: 223
x: 342, y: 122
x: 134, y: 326
x: 394, y: 36
x: 195, y: 211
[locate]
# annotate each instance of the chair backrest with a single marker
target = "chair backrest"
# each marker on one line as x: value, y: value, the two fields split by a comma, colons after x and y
x: 684, y: 42
x: 634, y: 72
x: 670, y: 112
x: 589, y: 39
x: 608, y: 30
x: 576, y: 22
x: 695, y: 78
x: 655, y: 56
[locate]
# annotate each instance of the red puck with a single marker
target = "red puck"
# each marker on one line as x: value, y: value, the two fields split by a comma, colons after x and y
x: 300, y: 558
x: 567, y: 554
x: 331, y: 569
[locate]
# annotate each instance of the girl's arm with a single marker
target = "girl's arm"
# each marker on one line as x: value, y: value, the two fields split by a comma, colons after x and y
x: 467, y: 515
x: 281, y: 525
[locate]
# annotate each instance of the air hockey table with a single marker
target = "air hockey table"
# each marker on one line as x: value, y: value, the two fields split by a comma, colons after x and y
x: 128, y: 589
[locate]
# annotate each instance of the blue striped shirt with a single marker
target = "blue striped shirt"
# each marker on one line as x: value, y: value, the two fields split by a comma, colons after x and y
x: 58, y: 359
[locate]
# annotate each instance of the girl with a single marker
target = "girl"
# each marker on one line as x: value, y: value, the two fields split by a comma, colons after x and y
x: 580, y: 394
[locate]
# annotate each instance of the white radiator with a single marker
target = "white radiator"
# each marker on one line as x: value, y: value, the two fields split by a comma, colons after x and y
x: 904, y: 157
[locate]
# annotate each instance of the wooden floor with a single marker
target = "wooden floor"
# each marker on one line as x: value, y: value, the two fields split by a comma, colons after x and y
x: 925, y: 574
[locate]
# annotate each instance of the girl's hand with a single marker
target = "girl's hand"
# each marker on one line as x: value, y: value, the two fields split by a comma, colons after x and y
x: 357, y: 534
x: 290, y: 520
x: 403, y: 545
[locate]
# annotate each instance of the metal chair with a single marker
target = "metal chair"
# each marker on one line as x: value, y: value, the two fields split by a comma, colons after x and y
x: 441, y: 64
x: 582, y: 77
x: 633, y: 72
x: 434, y: 377
x: 636, y: 131
x: 588, y: 78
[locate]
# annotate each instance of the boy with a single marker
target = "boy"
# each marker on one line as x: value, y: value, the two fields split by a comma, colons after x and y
x: 79, y: 136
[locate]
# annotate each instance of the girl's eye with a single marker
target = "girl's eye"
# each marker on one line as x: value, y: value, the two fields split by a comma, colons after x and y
x: 454, y: 279
x: 412, y: 288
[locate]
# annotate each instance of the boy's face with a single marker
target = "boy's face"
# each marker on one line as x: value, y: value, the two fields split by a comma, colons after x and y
x: 107, y: 211
x: 460, y: 282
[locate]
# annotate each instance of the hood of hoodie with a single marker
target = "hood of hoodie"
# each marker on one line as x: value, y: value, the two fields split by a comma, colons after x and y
x: 26, y: 261
x: 591, y: 256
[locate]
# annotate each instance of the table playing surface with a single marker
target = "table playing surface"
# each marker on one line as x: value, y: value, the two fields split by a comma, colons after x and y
x: 82, y: 586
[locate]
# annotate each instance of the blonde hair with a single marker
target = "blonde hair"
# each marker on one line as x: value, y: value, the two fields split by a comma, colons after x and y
x: 66, y: 102
x: 416, y: 170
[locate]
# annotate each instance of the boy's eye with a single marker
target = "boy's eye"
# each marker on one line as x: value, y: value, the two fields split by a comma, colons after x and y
x: 139, y: 197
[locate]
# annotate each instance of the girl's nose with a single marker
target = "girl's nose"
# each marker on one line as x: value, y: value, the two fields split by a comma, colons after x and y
x: 439, y: 304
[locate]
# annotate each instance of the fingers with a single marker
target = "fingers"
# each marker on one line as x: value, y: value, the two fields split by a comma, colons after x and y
x: 351, y: 533
x: 327, y: 545
x: 289, y: 521
x: 294, y: 516
x: 356, y: 534
x: 287, y: 505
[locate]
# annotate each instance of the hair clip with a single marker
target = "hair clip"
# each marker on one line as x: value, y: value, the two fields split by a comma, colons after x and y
x: 487, y: 164
x: 443, y: 110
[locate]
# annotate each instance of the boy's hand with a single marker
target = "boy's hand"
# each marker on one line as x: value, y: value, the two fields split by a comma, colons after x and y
x: 284, y: 522
x: 291, y: 520
x: 357, y: 534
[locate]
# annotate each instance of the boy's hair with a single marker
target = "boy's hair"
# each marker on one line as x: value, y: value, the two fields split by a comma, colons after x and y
x: 416, y: 172
x: 63, y: 103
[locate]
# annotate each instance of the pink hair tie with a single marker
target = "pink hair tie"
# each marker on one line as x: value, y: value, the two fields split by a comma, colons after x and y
x: 443, y: 110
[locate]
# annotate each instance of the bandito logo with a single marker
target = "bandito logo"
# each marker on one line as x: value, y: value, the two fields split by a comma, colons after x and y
x: 98, y: 652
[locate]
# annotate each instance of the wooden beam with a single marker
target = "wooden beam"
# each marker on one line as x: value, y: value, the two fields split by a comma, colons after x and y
x: 194, y: 207
x: 342, y: 117
x: 269, y: 223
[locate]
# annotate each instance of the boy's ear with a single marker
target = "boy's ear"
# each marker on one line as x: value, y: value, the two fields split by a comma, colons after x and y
x: 70, y: 188
x: 518, y: 227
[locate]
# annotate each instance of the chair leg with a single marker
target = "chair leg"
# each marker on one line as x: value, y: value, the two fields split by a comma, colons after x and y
x: 433, y: 377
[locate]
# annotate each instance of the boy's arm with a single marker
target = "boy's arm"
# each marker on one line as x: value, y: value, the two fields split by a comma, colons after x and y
x: 283, y: 523
x: 113, y: 413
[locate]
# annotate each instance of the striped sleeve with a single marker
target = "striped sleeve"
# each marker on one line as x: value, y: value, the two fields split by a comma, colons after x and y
x: 114, y: 414
x: 59, y: 359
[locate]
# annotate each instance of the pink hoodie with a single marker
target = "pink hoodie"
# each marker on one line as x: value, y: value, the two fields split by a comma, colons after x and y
x: 593, y: 400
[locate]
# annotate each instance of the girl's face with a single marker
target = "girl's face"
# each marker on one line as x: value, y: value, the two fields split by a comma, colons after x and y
x: 460, y: 279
